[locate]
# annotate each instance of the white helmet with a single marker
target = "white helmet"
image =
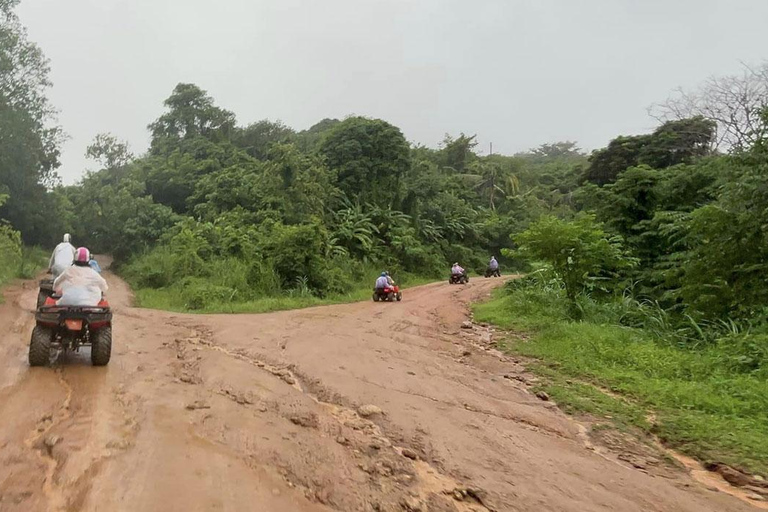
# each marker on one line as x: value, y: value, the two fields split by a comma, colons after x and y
x: 67, y: 238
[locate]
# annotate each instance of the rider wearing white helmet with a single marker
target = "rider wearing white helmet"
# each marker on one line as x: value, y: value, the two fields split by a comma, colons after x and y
x: 62, y: 257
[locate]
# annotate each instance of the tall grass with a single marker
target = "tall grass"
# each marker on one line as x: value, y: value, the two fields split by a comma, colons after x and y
x: 232, y: 285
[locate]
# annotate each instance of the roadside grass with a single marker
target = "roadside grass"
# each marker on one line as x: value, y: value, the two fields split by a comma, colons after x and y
x: 171, y: 299
x: 27, y: 266
x: 702, y: 406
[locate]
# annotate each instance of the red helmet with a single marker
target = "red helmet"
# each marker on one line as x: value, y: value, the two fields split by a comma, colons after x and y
x: 82, y: 256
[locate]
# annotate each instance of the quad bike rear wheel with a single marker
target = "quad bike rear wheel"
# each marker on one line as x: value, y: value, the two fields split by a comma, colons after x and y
x: 40, y: 346
x: 375, y: 297
x: 101, y: 346
x: 399, y: 296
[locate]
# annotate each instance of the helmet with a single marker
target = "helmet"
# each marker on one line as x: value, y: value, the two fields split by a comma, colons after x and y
x: 82, y: 256
x: 457, y: 263
x: 386, y: 273
x: 383, y: 274
x: 67, y: 238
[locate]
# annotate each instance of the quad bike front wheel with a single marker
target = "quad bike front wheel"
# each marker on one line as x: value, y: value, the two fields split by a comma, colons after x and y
x: 101, y: 346
x: 391, y: 296
x: 40, y: 346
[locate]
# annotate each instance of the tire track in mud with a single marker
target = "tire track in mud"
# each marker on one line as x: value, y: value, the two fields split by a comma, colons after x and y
x: 43, y: 446
x: 49, y: 439
x: 430, y: 481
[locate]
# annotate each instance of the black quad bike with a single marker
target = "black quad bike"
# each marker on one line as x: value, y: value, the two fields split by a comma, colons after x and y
x: 46, y: 290
x: 459, y: 278
x: 67, y: 328
x: 489, y: 272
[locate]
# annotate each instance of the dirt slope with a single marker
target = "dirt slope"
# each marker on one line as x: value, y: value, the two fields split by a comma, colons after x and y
x: 370, y: 406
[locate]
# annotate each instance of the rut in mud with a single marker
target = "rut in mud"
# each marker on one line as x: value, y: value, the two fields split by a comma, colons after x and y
x: 368, y: 406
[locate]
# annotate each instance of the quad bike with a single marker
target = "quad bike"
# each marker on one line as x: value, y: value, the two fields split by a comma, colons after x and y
x: 46, y: 290
x: 388, y: 293
x: 459, y: 278
x: 492, y: 273
x: 67, y: 328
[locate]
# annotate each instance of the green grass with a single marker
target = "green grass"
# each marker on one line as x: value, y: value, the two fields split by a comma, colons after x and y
x: 703, y: 406
x: 32, y: 261
x: 169, y: 299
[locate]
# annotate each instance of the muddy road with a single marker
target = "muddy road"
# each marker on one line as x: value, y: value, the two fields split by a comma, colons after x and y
x: 369, y: 406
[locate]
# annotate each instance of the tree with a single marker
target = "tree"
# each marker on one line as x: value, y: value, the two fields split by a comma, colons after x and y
x: 579, y: 251
x: 674, y: 142
x: 256, y: 138
x: 191, y: 113
x: 29, y: 138
x: 371, y: 158
x: 457, y: 153
x: 733, y: 102
x: 558, y: 149
x: 109, y: 151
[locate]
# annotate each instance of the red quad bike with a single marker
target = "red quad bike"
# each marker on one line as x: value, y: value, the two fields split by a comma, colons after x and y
x: 67, y: 328
x: 46, y: 290
x: 388, y: 294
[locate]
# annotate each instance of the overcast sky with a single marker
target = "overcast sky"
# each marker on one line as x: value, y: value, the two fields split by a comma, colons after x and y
x: 517, y: 73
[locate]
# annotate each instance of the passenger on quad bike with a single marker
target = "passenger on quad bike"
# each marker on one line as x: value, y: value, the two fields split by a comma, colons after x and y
x: 458, y: 274
x: 62, y: 257
x: 386, y: 289
x: 95, y: 265
x: 80, y: 285
x: 493, y: 268
x: 382, y: 281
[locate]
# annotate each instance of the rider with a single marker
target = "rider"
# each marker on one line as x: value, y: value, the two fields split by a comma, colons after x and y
x: 62, y: 257
x: 80, y: 285
x: 94, y: 265
x: 382, y: 281
x: 390, y: 281
x: 493, y: 264
x: 457, y: 270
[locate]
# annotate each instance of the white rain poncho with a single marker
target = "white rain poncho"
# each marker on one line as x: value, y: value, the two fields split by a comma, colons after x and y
x: 79, y: 286
x: 62, y: 258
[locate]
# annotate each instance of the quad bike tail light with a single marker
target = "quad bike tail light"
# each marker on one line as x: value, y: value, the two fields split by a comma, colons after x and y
x: 74, y: 324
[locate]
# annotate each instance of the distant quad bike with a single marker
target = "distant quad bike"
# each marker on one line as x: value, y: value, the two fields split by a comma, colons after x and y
x: 387, y: 294
x: 46, y: 290
x: 67, y: 328
x: 458, y: 278
x: 492, y: 273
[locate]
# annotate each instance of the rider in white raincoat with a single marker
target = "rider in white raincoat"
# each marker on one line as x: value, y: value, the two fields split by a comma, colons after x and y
x: 80, y: 285
x: 62, y: 258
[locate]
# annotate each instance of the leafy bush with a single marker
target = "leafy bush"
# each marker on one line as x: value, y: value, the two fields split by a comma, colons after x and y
x: 581, y: 254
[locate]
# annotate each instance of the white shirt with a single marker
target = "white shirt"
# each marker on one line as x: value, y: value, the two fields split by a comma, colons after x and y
x: 80, y: 286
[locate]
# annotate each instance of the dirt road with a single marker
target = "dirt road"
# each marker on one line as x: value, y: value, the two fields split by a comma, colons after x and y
x: 369, y: 406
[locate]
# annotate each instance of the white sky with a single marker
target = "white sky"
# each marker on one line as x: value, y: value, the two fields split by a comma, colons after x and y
x: 517, y: 73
